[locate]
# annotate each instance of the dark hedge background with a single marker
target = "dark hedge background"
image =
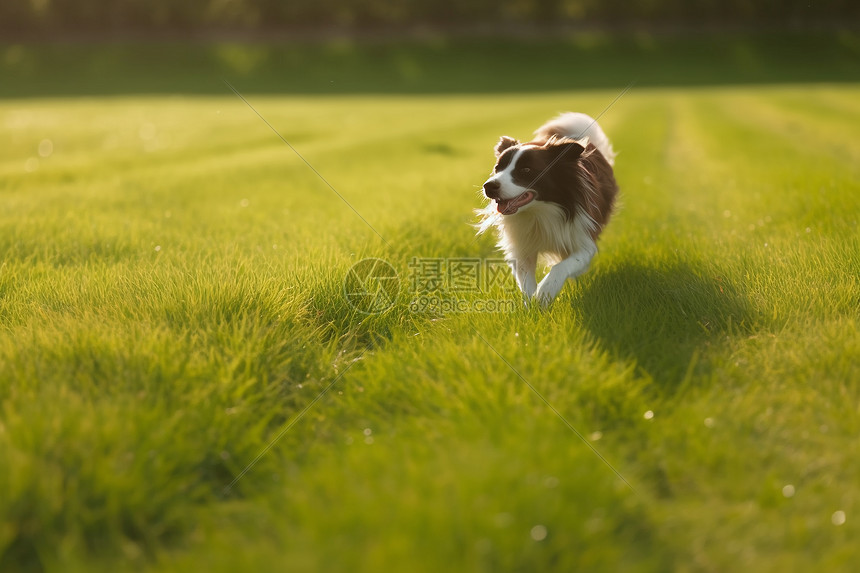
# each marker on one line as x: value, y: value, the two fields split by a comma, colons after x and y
x: 23, y: 17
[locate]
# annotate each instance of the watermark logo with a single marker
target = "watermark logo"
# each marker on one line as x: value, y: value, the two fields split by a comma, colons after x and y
x: 435, y: 286
x: 371, y: 286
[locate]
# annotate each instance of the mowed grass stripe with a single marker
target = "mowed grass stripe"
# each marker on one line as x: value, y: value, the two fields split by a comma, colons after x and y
x: 792, y: 237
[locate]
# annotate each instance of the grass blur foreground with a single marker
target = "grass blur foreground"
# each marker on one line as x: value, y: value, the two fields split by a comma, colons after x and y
x: 173, y: 304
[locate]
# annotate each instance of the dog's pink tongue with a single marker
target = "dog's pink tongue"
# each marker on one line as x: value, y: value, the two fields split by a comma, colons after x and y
x: 511, y: 206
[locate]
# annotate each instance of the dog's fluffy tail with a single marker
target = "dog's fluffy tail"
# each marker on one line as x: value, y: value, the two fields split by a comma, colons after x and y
x: 577, y: 126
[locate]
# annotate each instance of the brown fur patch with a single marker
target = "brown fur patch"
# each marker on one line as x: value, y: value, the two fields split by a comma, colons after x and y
x: 604, y: 190
x: 577, y: 178
x: 504, y: 143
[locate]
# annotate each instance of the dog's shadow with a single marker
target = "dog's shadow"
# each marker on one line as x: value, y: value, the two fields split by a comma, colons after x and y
x: 663, y: 318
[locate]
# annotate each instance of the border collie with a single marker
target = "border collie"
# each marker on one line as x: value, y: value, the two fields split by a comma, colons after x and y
x: 551, y: 197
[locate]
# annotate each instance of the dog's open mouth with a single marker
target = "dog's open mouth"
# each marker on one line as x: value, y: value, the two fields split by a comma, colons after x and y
x: 510, y: 206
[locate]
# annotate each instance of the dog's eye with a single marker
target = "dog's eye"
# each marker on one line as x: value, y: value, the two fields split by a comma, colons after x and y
x: 525, y: 170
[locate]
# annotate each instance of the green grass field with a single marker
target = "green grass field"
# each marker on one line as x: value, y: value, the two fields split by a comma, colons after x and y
x: 172, y: 303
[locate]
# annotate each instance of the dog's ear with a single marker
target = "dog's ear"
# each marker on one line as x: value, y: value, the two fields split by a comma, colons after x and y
x: 504, y: 143
x: 566, y: 149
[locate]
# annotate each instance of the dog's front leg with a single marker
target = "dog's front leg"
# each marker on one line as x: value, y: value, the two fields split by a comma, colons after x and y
x: 569, y: 268
x: 524, y: 270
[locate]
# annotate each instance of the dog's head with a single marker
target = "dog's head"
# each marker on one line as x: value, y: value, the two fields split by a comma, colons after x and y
x: 532, y: 172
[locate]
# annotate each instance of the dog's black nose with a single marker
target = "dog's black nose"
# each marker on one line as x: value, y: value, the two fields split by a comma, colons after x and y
x: 491, y: 189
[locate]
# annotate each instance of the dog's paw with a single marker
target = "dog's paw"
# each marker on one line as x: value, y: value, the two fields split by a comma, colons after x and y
x: 528, y: 296
x: 548, y: 289
x: 544, y: 297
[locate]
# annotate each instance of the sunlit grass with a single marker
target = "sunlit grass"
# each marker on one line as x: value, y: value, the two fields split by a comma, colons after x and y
x: 171, y: 296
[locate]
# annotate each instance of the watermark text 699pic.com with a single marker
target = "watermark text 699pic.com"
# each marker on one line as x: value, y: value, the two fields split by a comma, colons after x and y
x: 433, y: 286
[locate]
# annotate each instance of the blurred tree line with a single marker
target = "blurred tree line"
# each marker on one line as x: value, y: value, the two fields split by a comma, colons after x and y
x: 35, y: 16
